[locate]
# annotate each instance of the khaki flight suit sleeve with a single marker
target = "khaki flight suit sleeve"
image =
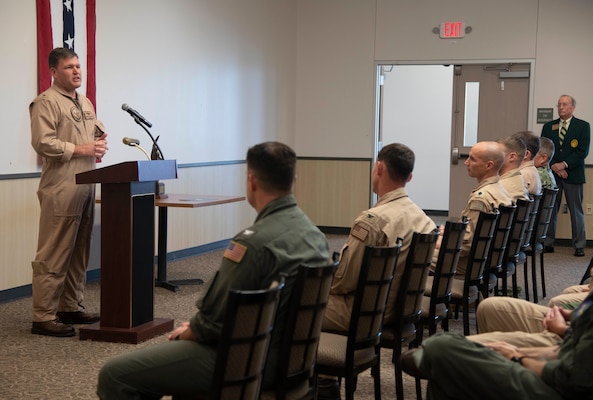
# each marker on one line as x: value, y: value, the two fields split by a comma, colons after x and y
x: 364, y: 232
x: 472, y: 214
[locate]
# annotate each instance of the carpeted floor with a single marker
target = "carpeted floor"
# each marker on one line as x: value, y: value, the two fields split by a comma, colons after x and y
x: 39, y: 367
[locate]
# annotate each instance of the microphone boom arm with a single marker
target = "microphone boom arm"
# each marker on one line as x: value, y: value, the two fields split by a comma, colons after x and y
x: 156, y: 154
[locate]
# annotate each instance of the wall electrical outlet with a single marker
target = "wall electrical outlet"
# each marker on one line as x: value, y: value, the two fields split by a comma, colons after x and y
x: 589, y: 209
x: 564, y: 208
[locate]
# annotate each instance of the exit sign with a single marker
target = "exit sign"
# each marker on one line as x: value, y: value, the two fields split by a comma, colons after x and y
x: 452, y: 30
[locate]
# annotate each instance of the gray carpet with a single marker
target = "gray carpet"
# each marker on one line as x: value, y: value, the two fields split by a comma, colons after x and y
x: 38, y: 367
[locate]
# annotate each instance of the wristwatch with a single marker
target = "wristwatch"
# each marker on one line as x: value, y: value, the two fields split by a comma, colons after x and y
x: 518, y: 359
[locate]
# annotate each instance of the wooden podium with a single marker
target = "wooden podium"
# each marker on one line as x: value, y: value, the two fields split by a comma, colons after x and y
x: 127, y: 250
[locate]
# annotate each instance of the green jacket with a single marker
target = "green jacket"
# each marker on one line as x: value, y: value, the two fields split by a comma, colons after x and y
x: 572, y: 373
x: 574, y: 149
x: 281, y: 239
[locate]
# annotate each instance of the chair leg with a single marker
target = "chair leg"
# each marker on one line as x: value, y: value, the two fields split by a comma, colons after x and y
x: 466, y: 317
x: 349, y: 387
x: 541, y: 268
x: 476, y: 305
x: 376, y: 373
x: 514, y: 284
x: 586, y: 275
x: 534, y: 276
x: 399, y: 379
x: 418, y: 389
x: 526, y: 280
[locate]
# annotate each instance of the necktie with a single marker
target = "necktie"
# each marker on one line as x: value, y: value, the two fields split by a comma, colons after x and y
x: 562, y: 132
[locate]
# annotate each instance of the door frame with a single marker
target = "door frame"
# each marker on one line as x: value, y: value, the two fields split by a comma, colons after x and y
x: 377, y: 137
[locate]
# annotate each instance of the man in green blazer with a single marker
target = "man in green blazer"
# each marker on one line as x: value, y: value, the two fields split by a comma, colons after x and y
x: 571, y: 137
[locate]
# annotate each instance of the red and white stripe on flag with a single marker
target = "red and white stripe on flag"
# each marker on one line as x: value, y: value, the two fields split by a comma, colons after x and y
x: 52, y: 17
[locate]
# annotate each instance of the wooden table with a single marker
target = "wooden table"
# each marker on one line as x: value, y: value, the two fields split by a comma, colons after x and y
x: 184, y: 201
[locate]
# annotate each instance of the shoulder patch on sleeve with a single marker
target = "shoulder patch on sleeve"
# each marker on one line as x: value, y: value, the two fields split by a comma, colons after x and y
x: 235, y: 252
x: 477, y: 205
x: 359, y: 232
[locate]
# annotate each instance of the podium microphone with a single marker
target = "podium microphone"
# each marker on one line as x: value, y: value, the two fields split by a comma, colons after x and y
x: 135, y: 143
x: 130, y: 141
x: 135, y: 114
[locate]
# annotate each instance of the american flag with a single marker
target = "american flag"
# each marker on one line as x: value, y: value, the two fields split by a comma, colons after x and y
x: 76, y: 26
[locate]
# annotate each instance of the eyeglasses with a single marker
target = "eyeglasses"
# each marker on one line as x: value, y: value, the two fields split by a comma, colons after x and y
x: 564, y: 105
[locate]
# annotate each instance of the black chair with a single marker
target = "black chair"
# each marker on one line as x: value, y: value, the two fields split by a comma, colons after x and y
x: 347, y: 354
x: 438, y: 286
x: 243, y: 345
x: 498, y: 249
x: 408, y: 302
x: 540, y: 231
x: 516, y: 240
x: 465, y: 292
x: 526, y: 246
x: 300, y: 338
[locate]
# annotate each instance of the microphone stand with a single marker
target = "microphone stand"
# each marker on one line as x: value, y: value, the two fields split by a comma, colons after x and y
x: 155, y: 154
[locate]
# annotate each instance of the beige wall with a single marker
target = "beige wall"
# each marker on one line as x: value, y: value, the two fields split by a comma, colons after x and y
x: 298, y: 71
x: 332, y: 192
x: 187, y: 227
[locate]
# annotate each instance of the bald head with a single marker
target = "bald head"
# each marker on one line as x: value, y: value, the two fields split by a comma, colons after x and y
x: 485, y: 160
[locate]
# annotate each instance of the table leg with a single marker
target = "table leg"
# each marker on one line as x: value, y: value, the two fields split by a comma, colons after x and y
x: 161, y: 280
x: 161, y: 275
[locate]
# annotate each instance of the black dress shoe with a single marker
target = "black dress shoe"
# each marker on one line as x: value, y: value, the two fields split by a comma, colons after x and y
x: 409, y: 363
x: 77, y: 317
x: 328, y: 389
x: 579, y: 252
x: 548, y: 249
x: 52, y: 328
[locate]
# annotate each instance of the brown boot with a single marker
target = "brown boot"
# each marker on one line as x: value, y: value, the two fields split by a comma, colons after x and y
x: 52, y: 328
x: 78, y: 317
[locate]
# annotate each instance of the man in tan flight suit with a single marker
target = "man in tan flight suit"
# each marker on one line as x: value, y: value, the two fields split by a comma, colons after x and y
x: 395, y: 215
x: 510, y: 175
x: 527, y: 168
x: 483, y: 163
x: 68, y: 137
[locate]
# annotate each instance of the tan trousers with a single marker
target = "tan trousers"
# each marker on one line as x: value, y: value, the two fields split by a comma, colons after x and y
x: 59, y: 268
x: 514, y: 321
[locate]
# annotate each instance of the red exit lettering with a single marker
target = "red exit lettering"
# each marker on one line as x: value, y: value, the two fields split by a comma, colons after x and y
x: 451, y: 30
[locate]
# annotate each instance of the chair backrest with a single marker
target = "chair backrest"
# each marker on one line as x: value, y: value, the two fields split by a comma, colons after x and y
x: 374, y: 281
x: 519, y: 228
x: 446, y: 265
x: 544, y: 215
x: 537, y: 198
x: 501, y: 237
x: 408, y: 303
x: 480, y: 249
x: 243, y: 346
x: 306, y: 309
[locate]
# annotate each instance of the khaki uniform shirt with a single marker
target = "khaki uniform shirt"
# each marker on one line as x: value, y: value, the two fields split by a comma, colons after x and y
x: 531, y: 177
x: 394, y: 215
x: 487, y: 196
x: 515, y: 186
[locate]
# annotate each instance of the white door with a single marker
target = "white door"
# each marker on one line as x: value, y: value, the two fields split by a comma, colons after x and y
x: 486, y: 106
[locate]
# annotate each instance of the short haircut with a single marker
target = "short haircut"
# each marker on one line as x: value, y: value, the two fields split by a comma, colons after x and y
x: 572, y: 100
x: 399, y: 160
x: 547, y: 147
x: 274, y: 166
x: 59, y: 53
x: 514, y: 144
x: 531, y: 141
